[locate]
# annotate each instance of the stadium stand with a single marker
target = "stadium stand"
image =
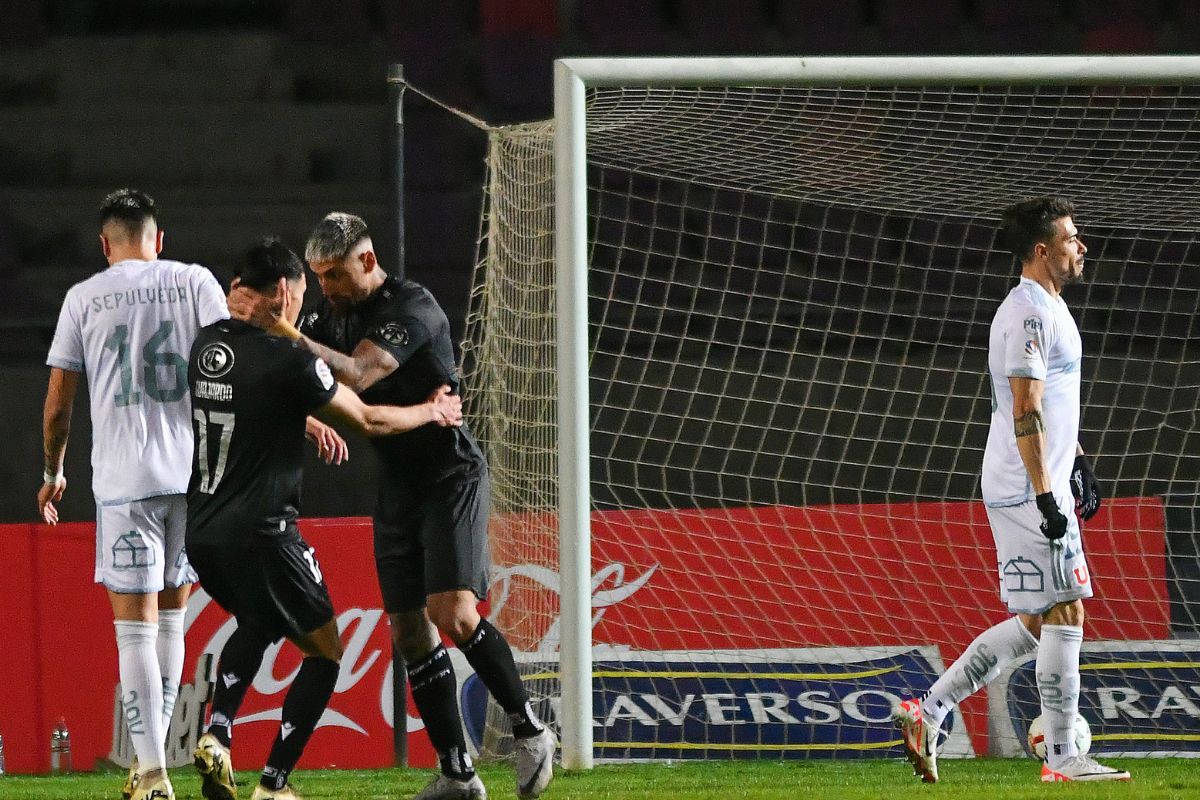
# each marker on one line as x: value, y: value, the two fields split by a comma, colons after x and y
x: 244, y: 117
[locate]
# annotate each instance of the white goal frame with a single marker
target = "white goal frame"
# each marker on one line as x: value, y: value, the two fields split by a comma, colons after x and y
x: 572, y: 78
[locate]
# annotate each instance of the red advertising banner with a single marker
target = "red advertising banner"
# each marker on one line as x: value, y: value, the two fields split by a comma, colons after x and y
x: 356, y: 729
x: 838, y: 576
x: 747, y: 578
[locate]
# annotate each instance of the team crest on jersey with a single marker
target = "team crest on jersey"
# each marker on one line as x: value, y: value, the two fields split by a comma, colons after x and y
x: 323, y: 373
x: 215, y: 360
x: 394, y: 334
x: 1031, y: 347
x: 1033, y: 325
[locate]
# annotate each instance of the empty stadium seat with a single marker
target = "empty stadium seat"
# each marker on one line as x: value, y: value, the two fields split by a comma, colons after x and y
x: 518, y: 76
x: 920, y: 26
x: 1023, y: 26
x: 515, y: 17
x: 621, y: 27
x: 821, y: 26
x: 718, y: 26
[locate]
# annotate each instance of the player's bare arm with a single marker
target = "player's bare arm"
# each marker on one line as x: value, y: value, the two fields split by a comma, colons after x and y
x: 361, y: 370
x: 366, y: 366
x: 1030, y: 430
x: 442, y: 408
x: 56, y: 429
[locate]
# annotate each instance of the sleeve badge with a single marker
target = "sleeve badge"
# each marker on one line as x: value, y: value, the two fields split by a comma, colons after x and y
x: 393, y: 333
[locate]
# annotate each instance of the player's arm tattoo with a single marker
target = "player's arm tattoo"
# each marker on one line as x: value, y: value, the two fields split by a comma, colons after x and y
x: 368, y: 364
x: 1029, y: 424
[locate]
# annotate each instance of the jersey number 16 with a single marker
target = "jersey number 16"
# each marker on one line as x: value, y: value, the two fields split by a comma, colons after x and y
x: 152, y: 359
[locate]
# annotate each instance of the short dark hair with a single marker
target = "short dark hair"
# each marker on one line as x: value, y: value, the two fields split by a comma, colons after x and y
x: 129, y: 208
x: 335, y: 236
x: 268, y: 260
x: 1028, y: 222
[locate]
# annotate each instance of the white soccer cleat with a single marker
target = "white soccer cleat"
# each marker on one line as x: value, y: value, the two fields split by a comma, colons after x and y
x: 131, y: 780
x: 153, y: 785
x: 535, y: 763
x: 286, y: 793
x: 211, y: 760
x: 1082, y: 768
x: 920, y: 739
x: 443, y: 787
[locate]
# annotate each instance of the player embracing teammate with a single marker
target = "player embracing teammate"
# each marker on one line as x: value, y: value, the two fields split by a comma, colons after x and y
x: 388, y: 339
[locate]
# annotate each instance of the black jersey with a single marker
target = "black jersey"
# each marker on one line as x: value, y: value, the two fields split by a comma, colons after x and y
x: 403, y: 318
x: 251, y: 393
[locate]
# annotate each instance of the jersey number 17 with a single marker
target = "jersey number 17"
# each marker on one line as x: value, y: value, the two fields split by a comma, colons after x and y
x: 210, y: 474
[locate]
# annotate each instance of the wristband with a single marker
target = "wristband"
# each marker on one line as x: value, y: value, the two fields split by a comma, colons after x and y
x: 51, y: 478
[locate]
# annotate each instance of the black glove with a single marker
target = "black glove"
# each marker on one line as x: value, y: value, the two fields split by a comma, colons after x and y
x: 1054, y: 523
x: 1084, y: 487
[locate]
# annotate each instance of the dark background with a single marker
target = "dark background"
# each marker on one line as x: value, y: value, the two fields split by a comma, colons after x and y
x: 247, y: 118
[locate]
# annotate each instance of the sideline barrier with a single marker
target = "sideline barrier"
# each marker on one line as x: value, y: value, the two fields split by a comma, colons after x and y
x: 59, y: 658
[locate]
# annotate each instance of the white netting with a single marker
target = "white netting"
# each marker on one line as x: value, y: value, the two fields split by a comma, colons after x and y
x: 789, y: 297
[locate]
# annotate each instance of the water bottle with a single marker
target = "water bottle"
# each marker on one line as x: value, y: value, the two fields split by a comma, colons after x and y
x: 60, y: 748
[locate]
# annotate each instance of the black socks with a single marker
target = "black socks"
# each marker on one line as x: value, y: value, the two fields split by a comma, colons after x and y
x: 435, y: 693
x: 489, y: 653
x: 240, y: 659
x: 302, y: 709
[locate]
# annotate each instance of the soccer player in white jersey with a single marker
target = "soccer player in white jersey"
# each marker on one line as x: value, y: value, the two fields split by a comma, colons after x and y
x: 129, y: 328
x: 1032, y: 466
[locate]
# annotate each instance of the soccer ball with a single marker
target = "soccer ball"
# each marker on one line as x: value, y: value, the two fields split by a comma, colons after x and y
x: 1037, y: 736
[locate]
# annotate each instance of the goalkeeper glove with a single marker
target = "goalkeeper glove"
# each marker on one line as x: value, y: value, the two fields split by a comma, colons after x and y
x: 1085, y: 488
x: 1054, y: 523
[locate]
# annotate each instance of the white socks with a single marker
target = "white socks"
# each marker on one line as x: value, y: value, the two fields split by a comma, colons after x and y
x: 169, y: 646
x: 141, y: 690
x: 1058, y: 686
x: 979, y: 663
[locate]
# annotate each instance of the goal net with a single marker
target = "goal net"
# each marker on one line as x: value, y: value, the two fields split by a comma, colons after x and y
x: 788, y: 298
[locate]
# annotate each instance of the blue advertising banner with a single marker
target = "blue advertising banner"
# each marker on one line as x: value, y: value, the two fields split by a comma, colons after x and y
x: 744, y: 704
x: 1139, y: 698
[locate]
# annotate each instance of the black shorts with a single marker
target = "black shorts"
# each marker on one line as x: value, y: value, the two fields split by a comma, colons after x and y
x: 433, y: 543
x: 276, y: 587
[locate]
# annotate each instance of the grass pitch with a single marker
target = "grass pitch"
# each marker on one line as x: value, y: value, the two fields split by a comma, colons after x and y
x: 975, y: 779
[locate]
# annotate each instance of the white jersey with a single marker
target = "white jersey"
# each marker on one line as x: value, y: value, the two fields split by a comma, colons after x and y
x: 1033, y: 335
x: 130, y: 328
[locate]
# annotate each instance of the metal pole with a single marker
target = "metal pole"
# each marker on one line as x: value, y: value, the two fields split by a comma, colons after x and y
x: 884, y: 70
x: 396, y: 92
x: 574, y: 486
x: 399, y: 668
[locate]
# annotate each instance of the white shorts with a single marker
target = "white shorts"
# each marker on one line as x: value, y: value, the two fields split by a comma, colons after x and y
x: 139, y: 545
x: 1037, y: 574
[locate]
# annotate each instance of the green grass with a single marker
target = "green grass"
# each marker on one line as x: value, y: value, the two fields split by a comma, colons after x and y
x: 979, y: 779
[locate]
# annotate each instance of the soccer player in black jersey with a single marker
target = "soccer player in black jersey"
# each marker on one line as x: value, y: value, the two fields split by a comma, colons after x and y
x: 389, y: 340
x: 251, y: 393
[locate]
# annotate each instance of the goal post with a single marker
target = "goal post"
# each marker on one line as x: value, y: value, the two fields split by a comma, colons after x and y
x: 764, y: 285
x: 574, y: 477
